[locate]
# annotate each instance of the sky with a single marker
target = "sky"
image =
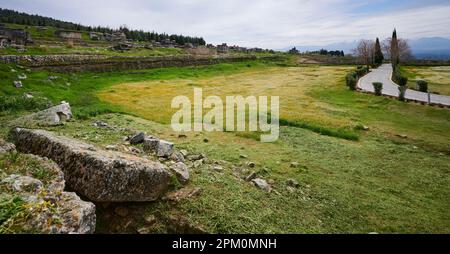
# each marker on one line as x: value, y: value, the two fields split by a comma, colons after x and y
x: 274, y: 24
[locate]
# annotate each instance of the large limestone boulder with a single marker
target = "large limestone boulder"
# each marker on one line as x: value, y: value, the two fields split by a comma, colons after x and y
x: 51, y: 116
x: 100, y: 175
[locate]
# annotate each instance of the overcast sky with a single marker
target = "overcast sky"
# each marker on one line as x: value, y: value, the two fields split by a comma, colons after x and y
x: 263, y: 23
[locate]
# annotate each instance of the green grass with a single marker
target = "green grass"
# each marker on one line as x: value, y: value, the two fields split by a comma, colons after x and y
x: 339, y: 133
x: 10, y: 206
x: 438, y: 77
x: 351, y: 181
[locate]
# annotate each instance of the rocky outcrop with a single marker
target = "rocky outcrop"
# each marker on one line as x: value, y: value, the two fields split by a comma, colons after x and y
x: 102, y: 176
x: 48, y: 208
x: 6, y: 147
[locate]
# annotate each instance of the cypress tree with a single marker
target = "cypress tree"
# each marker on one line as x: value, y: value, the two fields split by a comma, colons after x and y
x: 395, y: 54
x: 378, y: 57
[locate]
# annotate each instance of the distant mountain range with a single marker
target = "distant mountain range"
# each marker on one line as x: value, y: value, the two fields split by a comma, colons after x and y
x: 433, y: 48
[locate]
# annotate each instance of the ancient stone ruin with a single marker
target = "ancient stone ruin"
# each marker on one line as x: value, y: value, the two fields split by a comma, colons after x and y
x: 14, y: 37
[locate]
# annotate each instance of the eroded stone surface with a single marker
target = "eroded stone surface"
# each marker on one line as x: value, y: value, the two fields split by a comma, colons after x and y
x: 50, y: 210
x: 102, y: 176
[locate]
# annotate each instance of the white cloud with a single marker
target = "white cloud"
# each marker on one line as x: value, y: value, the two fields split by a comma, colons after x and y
x: 263, y: 23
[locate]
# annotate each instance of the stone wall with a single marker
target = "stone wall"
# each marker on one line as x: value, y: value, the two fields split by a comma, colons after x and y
x: 105, y: 63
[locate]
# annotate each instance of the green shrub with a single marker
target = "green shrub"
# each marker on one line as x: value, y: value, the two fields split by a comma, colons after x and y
x: 362, y: 71
x: 422, y: 86
x: 378, y: 87
x: 351, y: 80
x: 399, y: 78
x: 402, y: 92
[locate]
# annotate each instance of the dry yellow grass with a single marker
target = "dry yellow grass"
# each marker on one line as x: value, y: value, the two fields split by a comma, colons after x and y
x: 152, y: 99
x: 437, y: 77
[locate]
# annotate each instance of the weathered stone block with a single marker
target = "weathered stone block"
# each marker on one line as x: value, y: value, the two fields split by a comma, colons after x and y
x: 102, y: 176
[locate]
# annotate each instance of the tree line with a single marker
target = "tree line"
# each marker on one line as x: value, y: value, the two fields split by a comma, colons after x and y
x: 373, y: 53
x: 14, y: 17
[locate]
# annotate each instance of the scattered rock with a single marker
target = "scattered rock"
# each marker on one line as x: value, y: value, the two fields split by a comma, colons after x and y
x: 12, y: 70
x: 151, y: 145
x: 50, y: 117
x: 365, y: 128
x: 100, y: 124
x: 28, y: 96
x: 243, y: 156
x: 111, y: 148
x: 262, y: 184
x: 53, y: 78
x: 290, y: 189
x: 182, y: 136
x: 99, y: 175
x: 150, y: 220
x: 402, y: 136
x: 22, y: 76
x: 198, y: 163
x: 250, y: 177
x: 165, y: 149
x: 137, y: 138
x: 181, y: 172
x: 184, y: 193
x: 22, y: 183
x: 251, y: 164
x: 177, y: 157
x: 295, y: 165
x: 134, y: 150
x: 121, y: 211
x: 18, y: 84
x: 292, y: 183
x: 184, y: 153
x: 196, y: 157
x: 218, y: 168
x: 144, y: 230
x: 6, y: 147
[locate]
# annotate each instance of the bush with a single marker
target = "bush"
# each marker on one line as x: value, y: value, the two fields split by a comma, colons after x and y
x: 422, y: 86
x: 399, y: 78
x: 402, y: 92
x: 352, y: 80
x: 378, y: 87
x: 362, y: 70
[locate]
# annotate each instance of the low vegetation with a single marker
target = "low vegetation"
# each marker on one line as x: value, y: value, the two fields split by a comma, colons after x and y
x: 363, y: 163
x: 437, y: 77
x: 378, y: 87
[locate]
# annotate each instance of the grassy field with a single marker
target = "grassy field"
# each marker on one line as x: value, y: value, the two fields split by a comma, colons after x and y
x: 377, y: 183
x: 438, y: 77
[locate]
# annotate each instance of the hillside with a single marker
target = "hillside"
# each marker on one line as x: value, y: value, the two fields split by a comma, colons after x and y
x: 14, y: 17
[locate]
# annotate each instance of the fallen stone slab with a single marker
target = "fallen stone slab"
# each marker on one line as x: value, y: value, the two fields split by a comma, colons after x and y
x: 101, y: 176
x: 51, y: 116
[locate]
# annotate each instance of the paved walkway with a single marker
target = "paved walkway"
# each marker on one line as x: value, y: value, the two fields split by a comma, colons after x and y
x: 383, y: 74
